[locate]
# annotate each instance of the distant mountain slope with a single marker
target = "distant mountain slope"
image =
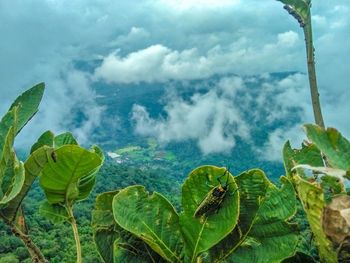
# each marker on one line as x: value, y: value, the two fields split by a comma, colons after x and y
x: 257, y: 103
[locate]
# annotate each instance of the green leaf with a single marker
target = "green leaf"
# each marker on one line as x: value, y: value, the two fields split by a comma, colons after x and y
x: 11, y: 169
x: 151, y: 218
x: 300, y: 257
x: 198, y: 232
x: 252, y: 185
x: 5, y: 159
x: 332, y: 144
x: 7, y: 136
x: 33, y: 166
x: 312, y: 198
x: 111, y: 240
x: 113, y: 243
x: 46, y: 139
x: 64, y: 139
x: 310, y: 194
x: 87, y: 183
x: 104, y: 240
x: 69, y: 175
x: 128, y: 248
x: 55, y: 213
x: 274, y: 238
x: 104, y: 226
x: 13, y: 179
x: 28, y: 104
x: 308, y: 154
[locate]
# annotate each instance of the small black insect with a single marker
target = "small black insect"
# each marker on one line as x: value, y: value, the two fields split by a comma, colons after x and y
x: 213, y: 200
x: 54, y: 156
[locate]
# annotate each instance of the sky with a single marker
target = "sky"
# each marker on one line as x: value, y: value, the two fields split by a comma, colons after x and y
x: 157, y: 41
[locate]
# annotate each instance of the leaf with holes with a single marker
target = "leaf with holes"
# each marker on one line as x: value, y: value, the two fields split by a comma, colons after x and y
x: 312, y: 198
x: 332, y: 144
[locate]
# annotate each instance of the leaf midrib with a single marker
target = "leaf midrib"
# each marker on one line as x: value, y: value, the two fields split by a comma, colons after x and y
x: 159, y: 240
x: 194, y: 255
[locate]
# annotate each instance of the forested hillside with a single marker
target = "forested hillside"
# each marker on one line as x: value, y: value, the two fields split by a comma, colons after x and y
x: 55, y: 240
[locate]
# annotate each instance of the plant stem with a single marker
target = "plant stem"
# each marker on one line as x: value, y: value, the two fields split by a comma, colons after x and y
x: 73, y: 223
x: 316, y: 105
x: 34, y: 251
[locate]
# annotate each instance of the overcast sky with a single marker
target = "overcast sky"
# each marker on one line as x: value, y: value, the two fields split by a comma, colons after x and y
x: 156, y: 41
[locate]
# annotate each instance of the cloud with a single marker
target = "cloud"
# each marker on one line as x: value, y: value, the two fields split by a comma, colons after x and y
x: 289, y: 39
x: 182, y: 5
x: 44, y: 49
x: 157, y: 42
x: 234, y: 108
x: 137, y: 36
x: 158, y: 63
x: 209, y: 118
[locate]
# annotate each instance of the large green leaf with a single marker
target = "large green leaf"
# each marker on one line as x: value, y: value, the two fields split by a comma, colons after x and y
x: 69, y: 175
x: 28, y: 104
x: 271, y: 238
x: 151, y: 218
x: 312, y: 198
x: 252, y: 185
x: 200, y: 234
x: 332, y: 144
x: 113, y: 243
x: 33, y: 166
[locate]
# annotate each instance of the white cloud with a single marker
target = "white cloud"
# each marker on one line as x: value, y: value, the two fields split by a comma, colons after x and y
x: 289, y: 38
x: 217, y: 117
x: 135, y: 35
x: 157, y: 43
x: 158, y: 63
x: 209, y: 118
x: 197, y: 4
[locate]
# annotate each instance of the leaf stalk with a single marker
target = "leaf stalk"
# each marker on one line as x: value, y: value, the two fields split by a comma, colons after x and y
x: 73, y: 223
